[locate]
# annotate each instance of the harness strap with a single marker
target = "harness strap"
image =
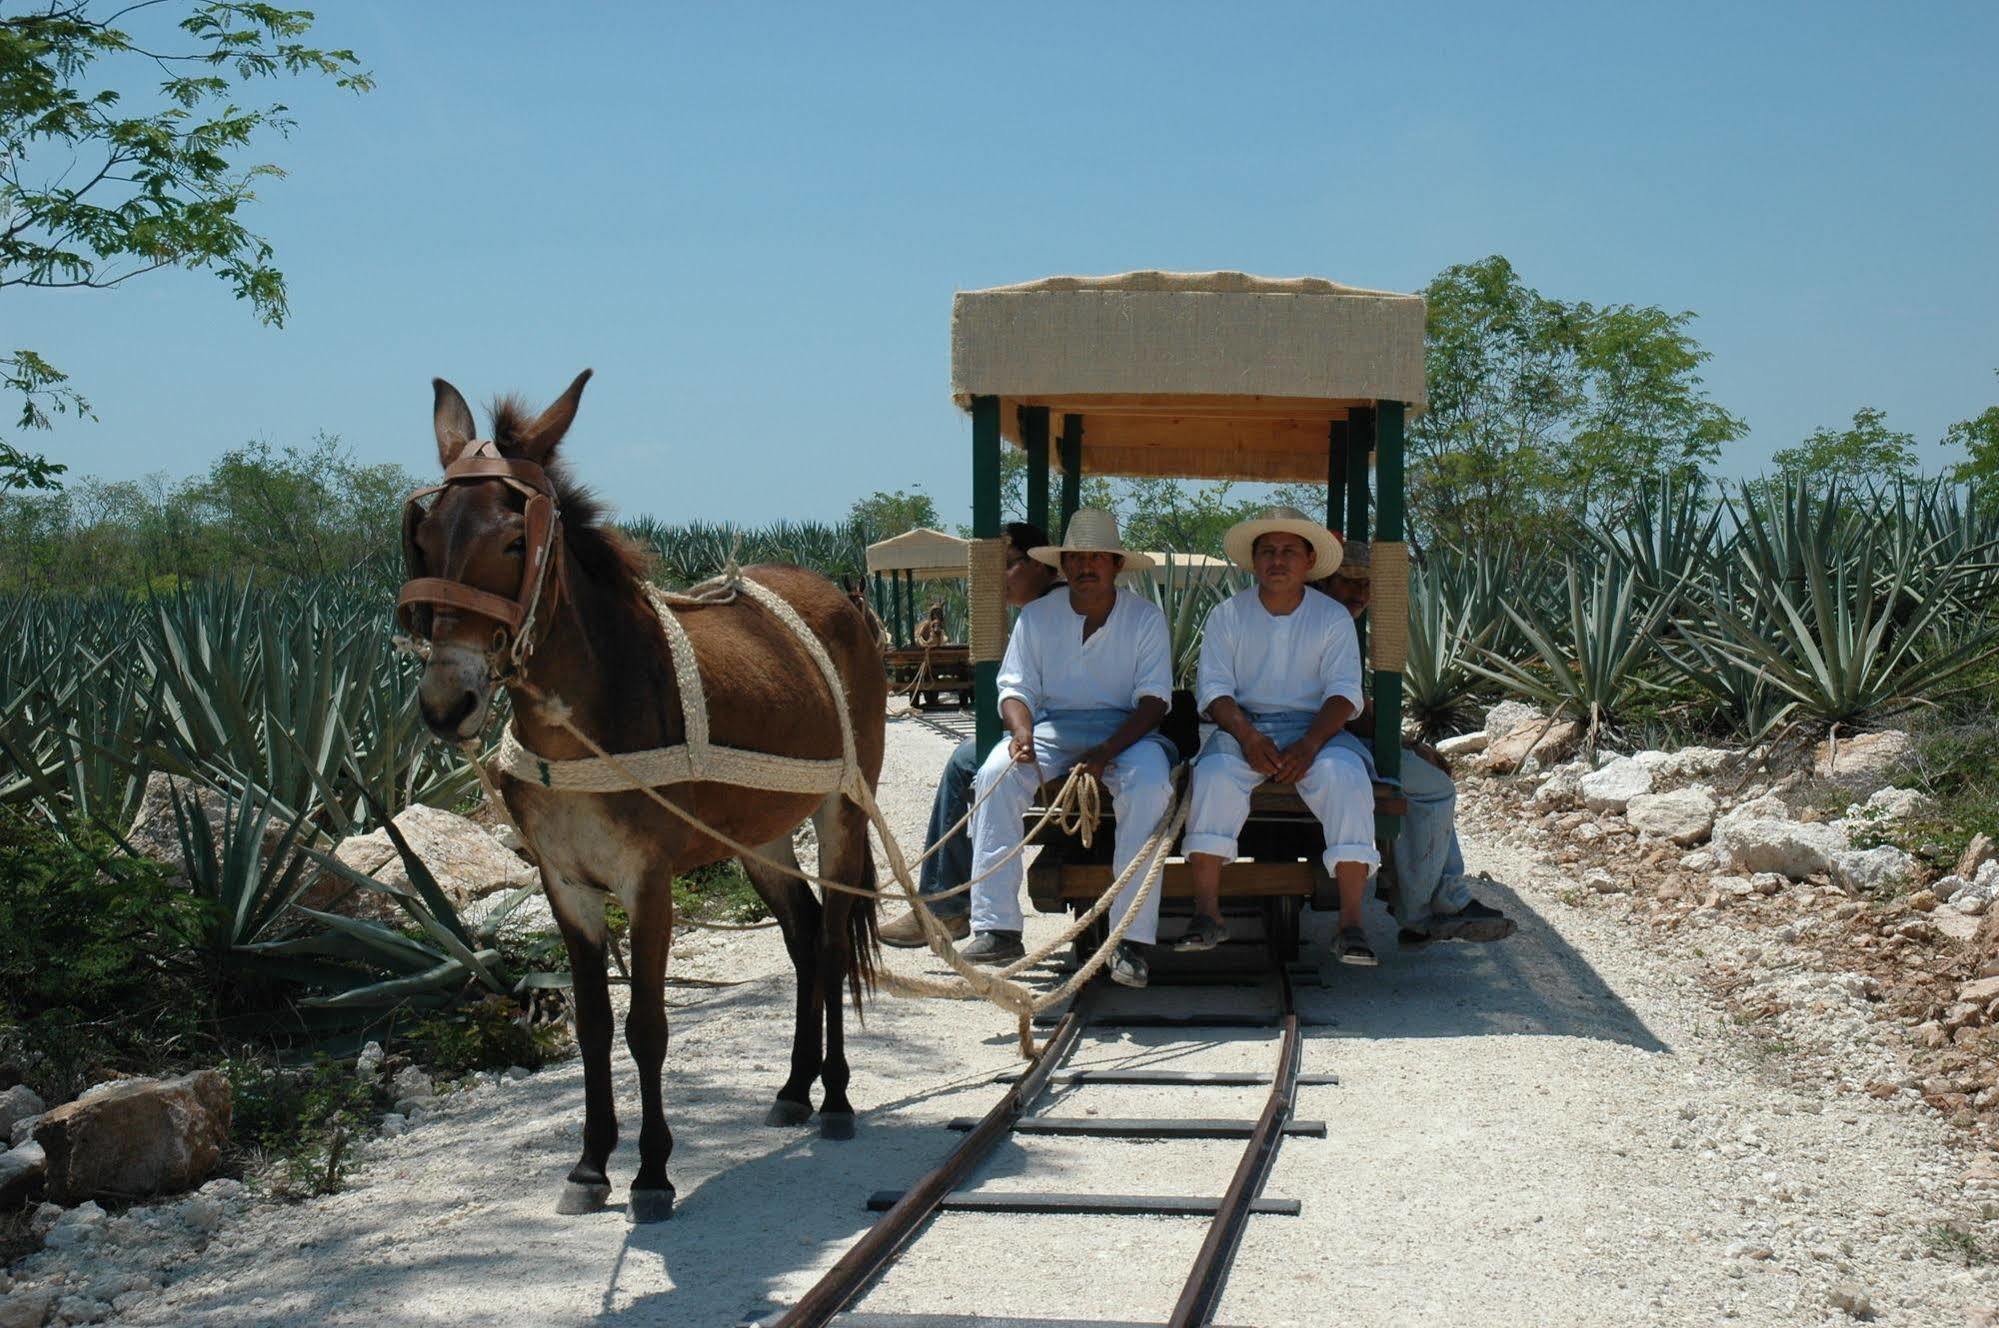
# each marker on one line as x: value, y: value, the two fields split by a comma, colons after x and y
x: 434, y: 590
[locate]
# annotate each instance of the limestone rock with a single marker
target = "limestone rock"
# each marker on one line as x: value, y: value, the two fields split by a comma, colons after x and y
x: 27, y: 1309
x: 1609, y: 789
x: 1759, y: 844
x: 1560, y: 791
x: 1508, y: 716
x: 1506, y: 753
x: 1899, y: 804
x: 21, y: 1173
x: 1692, y: 763
x: 1872, y: 869
x: 1685, y: 816
x: 1465, y: 744
x: 468, y: 863
x: 1863, y: 762
x: 16, y: 1105
x: 1977, y: 853
x: 141, y: 1137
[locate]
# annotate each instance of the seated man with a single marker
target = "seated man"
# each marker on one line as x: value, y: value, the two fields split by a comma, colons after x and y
x: 1087, y: 677
x: 951, y: 865
x: 1280, y: 677
x: 1433, y: 899
x: 930, y: 632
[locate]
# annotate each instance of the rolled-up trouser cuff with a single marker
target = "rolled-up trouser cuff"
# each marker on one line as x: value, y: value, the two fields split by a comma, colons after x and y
x: 1364, y: 853
x: 1220, y: 846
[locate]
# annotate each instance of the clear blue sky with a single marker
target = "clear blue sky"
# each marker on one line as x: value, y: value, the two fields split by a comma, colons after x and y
x: 749, y: 219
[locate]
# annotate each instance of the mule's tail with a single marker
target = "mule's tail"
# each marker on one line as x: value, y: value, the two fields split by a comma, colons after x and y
x: 863, y: 935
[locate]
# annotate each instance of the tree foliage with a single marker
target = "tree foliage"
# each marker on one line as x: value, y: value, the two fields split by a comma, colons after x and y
x: 1979, y: 437
x: 259, y: 511
x: 885, y: 513
x: 95, y: 191
x: 1865, y: 451
x: 1545, y: 413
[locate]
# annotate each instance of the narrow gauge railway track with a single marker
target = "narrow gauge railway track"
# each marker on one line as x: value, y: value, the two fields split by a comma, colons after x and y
x: 905, y: 1213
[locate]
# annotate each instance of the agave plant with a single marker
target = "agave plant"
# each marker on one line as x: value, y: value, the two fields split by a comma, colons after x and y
x: 1457, y: 608
x: 1835, y: 625
x: 1187, y: 593
x: 1589, y: 663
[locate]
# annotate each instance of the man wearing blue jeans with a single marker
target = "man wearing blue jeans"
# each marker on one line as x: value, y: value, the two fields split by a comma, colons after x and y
x: 951, y: 865
x: 1433, y: 901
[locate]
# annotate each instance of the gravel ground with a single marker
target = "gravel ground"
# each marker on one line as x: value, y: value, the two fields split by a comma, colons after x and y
x: 1561, y: 1129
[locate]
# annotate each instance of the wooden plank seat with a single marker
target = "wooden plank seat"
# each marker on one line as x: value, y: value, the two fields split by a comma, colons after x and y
x: 946, y: 672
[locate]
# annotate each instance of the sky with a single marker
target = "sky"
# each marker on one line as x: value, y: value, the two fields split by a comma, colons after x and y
x: 749, y: 220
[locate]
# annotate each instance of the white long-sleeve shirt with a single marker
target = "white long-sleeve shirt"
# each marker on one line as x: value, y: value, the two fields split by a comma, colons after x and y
x: 1268, y: 664
x: 1050, y: 667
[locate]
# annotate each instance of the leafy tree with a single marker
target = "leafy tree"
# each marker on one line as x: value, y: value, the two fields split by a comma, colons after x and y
x: 93, y: 194
x: 1167, y: 514
x: 884, y: 514
x: 1865, y: 450
x: 1979, y: 437
x: 1544, y: 413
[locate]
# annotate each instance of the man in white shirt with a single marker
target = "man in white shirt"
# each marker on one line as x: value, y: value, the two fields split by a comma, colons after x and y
x: 1280, y: 676
x: 1087, y: 677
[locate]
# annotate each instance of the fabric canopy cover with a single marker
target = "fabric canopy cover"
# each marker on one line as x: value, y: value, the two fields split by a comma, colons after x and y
x: 1218, y: 333
x: 926, y: 554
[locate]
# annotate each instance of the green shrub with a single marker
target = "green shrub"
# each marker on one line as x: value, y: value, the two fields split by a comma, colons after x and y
x: 486, y: 1035
x: 719, y: 892
x: 295, y: 1125
x: 1957, y: 764
x: 93, y: 960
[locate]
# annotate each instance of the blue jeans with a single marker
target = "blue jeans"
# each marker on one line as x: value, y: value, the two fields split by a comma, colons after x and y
x: 1429, y: 864
x: 951, y: 866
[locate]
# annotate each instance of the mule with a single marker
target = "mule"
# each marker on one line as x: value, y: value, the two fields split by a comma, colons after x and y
x: 583, y: 633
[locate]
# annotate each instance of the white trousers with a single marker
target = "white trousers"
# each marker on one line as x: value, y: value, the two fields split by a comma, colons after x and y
x: 1141, y: 787
x: 1336, y: 788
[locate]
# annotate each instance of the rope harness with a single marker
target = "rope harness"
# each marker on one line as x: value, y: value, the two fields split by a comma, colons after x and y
x: 1077, y: 807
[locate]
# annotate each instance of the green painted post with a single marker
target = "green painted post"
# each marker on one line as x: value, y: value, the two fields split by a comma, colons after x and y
x: 909, y: 606
x: 1034, y: 441
x: 1360, y: 442
x: 1336, y: 477
x: 1072, y: 472
x: 986, y: 525
x: 1388, y: 685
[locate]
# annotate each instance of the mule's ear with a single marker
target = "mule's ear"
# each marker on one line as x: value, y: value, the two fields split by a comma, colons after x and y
x: 538, y: 442
x: 453, y: 421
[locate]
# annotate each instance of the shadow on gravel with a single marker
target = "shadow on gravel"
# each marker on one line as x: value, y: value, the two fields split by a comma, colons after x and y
x: 1532, y: 983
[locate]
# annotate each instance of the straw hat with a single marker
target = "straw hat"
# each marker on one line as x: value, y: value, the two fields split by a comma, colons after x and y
x: 1357, y: 563
x: 1242, y: 537
x: 1091, y: 530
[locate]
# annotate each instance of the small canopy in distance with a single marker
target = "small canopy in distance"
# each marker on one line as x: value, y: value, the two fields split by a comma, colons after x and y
x: 926, y: 554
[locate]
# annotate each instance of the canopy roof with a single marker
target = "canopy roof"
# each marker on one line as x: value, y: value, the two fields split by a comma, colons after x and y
x: 1206, y: 375
x: 928, y: 555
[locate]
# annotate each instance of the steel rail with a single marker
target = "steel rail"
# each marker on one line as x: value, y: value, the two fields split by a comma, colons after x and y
x: 1196, y: 1306
x: 874, y: 1251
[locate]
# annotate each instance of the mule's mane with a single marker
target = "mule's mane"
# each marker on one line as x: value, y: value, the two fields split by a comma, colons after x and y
x: 596, y: 550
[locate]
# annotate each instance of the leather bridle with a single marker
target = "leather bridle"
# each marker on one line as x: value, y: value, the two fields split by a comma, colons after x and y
x: 517, y: 618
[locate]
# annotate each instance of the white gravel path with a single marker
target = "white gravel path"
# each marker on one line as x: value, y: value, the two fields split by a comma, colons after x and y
x: 1558, y: 1130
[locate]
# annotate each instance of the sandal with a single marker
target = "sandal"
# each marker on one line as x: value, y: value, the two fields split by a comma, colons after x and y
x: 1351, y: 947
x: 1203, y: 933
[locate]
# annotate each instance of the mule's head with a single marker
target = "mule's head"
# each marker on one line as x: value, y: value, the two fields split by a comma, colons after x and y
x: 476, y: 556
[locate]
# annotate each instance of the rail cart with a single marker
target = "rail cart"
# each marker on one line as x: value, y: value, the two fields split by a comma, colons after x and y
x: 935, y: 676
x: 1212, y: 375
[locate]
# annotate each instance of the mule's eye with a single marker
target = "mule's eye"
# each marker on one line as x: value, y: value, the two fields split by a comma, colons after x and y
x: 517, y: 546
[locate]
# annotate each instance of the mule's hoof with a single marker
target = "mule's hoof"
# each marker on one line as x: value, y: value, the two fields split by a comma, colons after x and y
x: 836, y: 1125
x: 786, y: 1112
x: 649, y: 1206
x: 582, y: 1197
